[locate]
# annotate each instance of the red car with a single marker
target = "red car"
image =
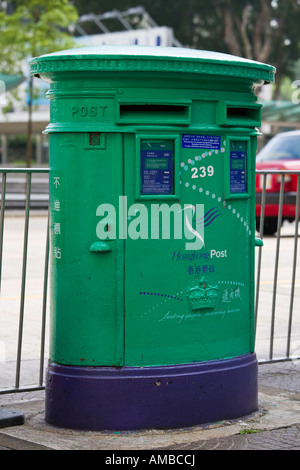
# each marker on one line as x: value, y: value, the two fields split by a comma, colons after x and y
x: 282, y: 152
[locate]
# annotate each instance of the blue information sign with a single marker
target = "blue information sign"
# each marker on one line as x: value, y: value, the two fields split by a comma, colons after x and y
x: 199, y: 141
x: 238, y: 157
x: 157, y: 167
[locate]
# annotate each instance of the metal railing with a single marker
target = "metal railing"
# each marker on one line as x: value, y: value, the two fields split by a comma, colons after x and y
x: 28, y: 173
x: 27, y: 213
x: 283, y: 176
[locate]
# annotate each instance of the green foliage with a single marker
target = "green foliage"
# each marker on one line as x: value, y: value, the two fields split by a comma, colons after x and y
x: 250, y: 431
x: 286, y: 89
x: 34, y: 28
x: 29, y: 28
x: 263, y: 30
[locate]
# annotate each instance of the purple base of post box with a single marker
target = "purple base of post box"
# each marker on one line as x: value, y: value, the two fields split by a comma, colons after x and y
x: 131, y: 398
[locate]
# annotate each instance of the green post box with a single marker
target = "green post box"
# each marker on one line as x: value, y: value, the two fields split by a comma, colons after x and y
x: 152, y: 225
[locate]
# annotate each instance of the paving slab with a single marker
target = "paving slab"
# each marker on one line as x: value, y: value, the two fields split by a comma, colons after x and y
x: 276, y: 425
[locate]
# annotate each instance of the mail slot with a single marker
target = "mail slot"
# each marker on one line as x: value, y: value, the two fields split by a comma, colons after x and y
x: 154, y: 113
x: 152, y: 236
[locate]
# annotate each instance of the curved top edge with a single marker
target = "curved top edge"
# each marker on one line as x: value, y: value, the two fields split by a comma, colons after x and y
x: 139, y: 54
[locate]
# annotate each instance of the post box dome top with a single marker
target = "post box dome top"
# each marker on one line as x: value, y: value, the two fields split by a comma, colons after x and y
x: 151, y: 59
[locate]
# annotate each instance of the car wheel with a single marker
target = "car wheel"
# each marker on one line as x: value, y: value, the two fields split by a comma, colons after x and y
x: 270, y: 225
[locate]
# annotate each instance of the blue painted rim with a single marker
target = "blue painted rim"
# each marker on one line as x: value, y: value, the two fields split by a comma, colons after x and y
x: 167, y: 397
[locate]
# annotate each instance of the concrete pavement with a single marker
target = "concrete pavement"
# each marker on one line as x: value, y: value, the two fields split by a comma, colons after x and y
x: 275, y: 426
